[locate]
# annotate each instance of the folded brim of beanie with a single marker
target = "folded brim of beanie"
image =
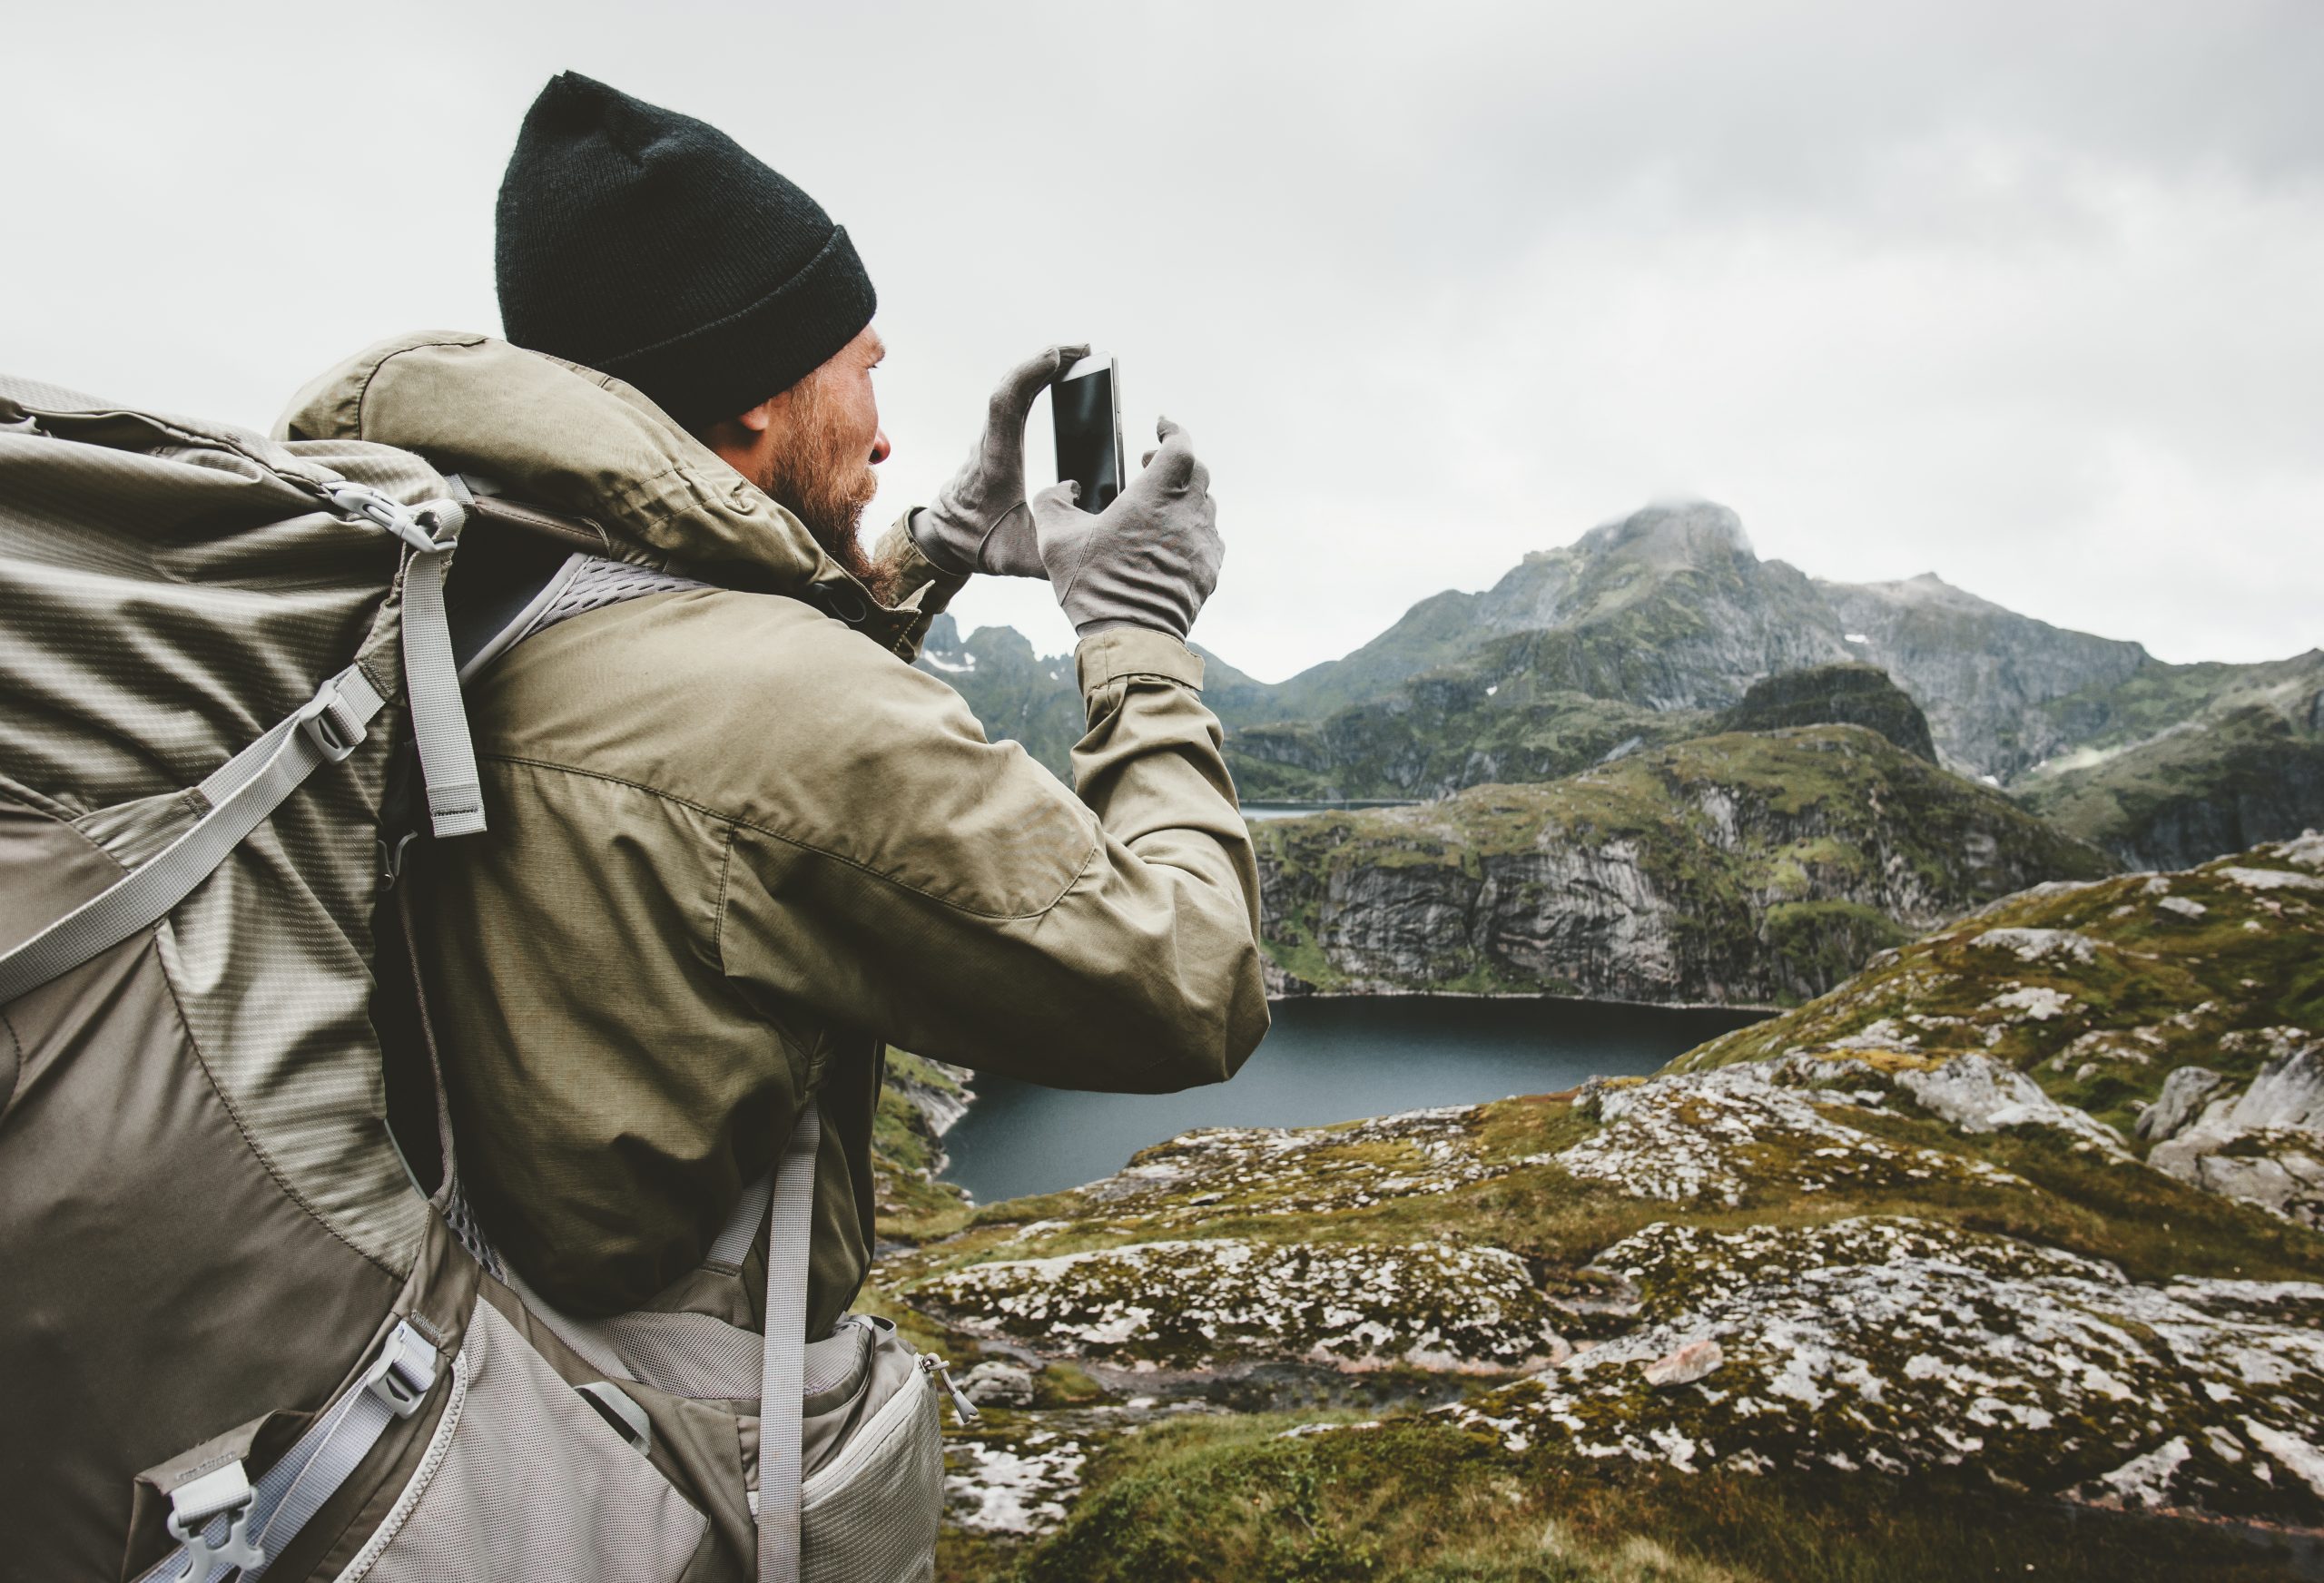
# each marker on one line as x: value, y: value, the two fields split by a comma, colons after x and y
x: 730, y: 365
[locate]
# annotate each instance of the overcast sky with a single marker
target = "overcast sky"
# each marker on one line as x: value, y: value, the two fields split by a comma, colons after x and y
x: 2030, y: 295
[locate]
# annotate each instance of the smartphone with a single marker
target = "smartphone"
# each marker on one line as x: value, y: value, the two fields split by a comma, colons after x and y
x: 1086, y: 403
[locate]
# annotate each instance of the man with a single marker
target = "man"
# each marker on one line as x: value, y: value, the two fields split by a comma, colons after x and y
x: 737, y: 841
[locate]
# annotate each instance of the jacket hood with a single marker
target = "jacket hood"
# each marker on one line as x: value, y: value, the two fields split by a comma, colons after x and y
x: 576, y: 440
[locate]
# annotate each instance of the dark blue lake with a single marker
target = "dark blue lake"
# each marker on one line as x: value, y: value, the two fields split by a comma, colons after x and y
x: 1326, y: 1060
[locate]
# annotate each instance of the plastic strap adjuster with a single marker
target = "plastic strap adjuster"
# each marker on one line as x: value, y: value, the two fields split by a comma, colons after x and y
x: 353, y: 500
x: 195, y: 1503
x: 329, y: 724
x: 404, y: 1371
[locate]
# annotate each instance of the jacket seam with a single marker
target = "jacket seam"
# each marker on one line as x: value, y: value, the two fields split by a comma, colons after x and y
x: 736, y: 822
x: 363, y: 393
x: 718, y: 924
x: 1145, y: 675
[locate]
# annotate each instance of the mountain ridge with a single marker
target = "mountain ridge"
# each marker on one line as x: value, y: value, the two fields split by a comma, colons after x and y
x: 1638, y: 633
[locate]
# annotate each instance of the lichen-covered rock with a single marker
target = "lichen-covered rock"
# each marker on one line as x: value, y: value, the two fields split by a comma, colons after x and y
x: 2097, y: 997
x: 1691, y: 1137
x: 2265, y: 1146
x: 1977, y: 1093
x: 1011, y: 1480
x: 1193, y: 1305
x: 994, y: 1383
x: 2280, y: 1169
x: 1685, y: 1365
x: 1198, y: 1176
x: 2289, y: 1092
x: 1898, y: 1344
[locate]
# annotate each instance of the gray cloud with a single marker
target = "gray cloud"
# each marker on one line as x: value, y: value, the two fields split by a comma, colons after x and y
x: 2023, y: 294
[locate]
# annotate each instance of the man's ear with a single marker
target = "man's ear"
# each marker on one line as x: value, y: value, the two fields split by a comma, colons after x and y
x: 737, y: 440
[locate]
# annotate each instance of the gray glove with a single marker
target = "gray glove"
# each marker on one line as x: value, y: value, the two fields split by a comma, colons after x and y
x: 979, y: 522
x: 1149, y: 559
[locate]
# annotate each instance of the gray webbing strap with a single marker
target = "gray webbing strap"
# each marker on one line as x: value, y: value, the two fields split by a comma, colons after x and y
x: 241, y: 793
x: 731, y: 1246
x: 781, y: 1380
x: 440, y: 725
x: 268, y: 1515
x: 431, y: 677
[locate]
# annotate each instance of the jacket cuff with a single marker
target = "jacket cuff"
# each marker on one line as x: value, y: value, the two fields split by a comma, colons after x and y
x: 1135, y: 651
x: 915, y: 572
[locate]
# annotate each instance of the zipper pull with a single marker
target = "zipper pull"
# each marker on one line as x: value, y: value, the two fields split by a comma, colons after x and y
x: 964, y: 1410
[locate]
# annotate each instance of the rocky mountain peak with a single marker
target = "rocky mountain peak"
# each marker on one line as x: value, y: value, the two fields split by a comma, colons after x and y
x: 1673, y: 534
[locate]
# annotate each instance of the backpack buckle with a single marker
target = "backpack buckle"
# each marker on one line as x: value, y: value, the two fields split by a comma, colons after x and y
x: 405, y: 1372
x: 353, y: 500
x: 196, y: 1503
x: 329, y: 724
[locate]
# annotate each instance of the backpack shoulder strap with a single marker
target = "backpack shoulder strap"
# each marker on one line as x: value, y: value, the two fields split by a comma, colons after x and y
x: 781, y: 1380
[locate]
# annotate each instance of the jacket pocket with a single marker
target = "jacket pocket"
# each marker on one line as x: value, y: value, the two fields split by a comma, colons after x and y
x: 524, y: 1482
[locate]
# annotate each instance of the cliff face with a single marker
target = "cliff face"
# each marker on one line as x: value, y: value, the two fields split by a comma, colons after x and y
x: 1743, y: 868
x: 1848, y: 694
x: 2019, y: 1223
x: 1984, y: 673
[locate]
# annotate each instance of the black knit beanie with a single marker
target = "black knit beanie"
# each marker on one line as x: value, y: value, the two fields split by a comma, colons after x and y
x: 653, y: 247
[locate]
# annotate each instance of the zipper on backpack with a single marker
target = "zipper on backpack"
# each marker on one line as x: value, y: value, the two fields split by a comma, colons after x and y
x: 964, y: 1410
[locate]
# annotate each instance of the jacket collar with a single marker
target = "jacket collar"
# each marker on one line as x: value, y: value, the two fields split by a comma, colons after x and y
x: 579, y: 441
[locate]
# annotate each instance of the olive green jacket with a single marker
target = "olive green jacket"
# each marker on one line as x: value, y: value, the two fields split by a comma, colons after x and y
x: 736, y: 842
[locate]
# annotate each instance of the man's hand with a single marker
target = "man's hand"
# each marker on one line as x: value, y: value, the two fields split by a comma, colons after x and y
x: 1149, y: 559
x: 980, y: 521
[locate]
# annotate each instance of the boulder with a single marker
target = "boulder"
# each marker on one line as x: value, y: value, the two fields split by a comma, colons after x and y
x: 993, y: 1384
x: 2182, y: 1100
x: 2288, y: 1092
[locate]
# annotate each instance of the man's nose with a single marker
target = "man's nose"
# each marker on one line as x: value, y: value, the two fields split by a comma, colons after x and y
x: 881, y: 449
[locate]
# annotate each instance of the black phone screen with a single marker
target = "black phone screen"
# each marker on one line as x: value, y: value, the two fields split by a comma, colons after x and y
x: 1088, y: 432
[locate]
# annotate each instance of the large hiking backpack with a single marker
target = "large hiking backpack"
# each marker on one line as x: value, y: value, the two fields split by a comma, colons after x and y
x: 235, y: 1331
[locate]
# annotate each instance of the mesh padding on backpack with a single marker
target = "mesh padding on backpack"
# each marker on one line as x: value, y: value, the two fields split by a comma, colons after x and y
x: 600, y: 582
x: 870, y: 1515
